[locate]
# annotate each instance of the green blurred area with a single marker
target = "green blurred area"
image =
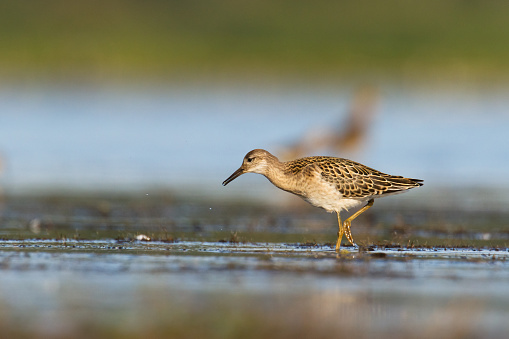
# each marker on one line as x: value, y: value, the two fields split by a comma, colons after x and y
x: 154, y: 38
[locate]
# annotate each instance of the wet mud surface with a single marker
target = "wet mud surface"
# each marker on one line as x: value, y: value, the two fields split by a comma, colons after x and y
x: 131, y: 268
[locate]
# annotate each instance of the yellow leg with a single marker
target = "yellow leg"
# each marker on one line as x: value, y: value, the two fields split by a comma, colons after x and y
x: 348, y: 222
x: 340, y: 233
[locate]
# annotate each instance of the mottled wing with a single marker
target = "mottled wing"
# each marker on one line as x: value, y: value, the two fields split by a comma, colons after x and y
x: 354, y: 180
x: 298, y: 166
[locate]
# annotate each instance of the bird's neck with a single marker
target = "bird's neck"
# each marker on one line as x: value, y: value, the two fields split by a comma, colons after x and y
x: 280, y: 177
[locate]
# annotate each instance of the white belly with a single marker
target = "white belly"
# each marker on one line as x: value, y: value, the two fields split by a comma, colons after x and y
x: 330, y: 199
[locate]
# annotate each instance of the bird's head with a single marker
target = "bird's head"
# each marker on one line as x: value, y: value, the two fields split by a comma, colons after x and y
x: 256, y: 161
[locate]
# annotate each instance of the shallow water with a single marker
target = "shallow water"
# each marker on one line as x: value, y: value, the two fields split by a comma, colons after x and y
x: 72, y: 266
x: 129, y: 288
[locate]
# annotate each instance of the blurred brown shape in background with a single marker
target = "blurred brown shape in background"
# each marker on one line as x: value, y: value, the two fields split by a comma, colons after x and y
x: 346, y: 139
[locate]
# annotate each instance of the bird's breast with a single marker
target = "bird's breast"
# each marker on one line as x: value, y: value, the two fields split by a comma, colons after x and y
x: 312, y: 188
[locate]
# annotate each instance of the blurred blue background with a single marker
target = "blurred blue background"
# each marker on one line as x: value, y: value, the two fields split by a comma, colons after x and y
x: 128, y: 97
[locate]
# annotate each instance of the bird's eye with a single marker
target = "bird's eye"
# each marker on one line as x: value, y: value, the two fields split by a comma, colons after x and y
x: 250, y: 159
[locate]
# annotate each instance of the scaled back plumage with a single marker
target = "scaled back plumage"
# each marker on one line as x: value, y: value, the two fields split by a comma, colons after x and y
x: 352, y: 179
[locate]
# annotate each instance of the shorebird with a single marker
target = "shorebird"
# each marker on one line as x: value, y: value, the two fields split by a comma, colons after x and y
x: 347, y: 136
x: 334, y: 184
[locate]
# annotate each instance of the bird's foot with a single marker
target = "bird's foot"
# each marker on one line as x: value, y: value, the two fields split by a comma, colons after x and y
x: 343, y: 252
x: 348, y: 233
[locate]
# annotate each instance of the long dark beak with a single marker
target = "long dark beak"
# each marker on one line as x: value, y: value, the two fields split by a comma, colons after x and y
x: 232, y: 177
